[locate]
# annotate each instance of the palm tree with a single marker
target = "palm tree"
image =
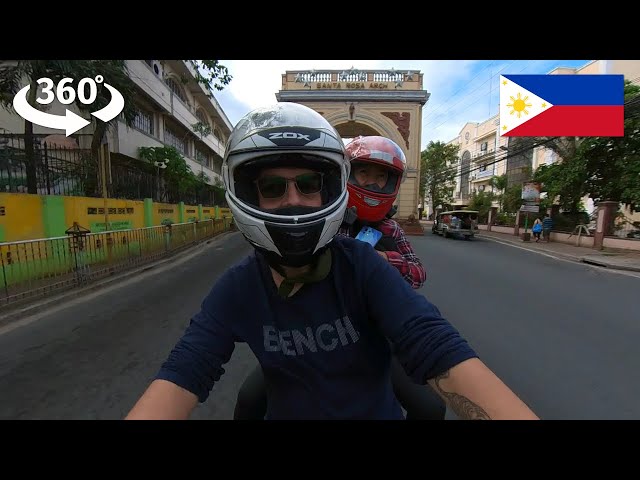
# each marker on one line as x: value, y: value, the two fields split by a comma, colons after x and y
x: 499, y: 183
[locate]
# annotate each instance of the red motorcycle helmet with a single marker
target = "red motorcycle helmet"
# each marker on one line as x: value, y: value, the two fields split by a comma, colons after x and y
x: 372, y: 201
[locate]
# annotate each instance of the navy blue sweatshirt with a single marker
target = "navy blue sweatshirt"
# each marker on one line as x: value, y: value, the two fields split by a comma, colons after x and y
x: 326, y: 350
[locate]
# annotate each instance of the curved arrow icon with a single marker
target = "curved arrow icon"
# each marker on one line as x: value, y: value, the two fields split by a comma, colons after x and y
x: 70, y: 123
x: 114, y: 108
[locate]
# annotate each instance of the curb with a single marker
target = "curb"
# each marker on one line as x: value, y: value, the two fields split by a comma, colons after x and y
x: 18, y: 312
x: 600, y: 263
x: 566, y: 256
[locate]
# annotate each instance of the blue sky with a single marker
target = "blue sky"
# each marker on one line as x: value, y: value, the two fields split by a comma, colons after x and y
x: 461, y: 90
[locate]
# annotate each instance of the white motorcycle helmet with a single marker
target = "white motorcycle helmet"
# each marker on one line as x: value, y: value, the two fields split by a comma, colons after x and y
x: 286, y: 135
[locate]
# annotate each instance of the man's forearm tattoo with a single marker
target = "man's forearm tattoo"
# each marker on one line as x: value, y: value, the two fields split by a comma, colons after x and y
x: 461, y: 405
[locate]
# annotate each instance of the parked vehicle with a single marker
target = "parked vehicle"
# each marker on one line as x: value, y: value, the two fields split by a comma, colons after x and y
x: 456, y: 223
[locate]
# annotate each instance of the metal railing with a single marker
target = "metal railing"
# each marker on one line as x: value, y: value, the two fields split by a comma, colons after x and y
x: 626, y: 228
x: 34, y: 268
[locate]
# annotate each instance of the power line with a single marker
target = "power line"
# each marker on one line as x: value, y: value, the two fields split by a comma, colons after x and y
x: 443, y: 174
x: 628, y: 104
x: 470, y: 104
x: 505, y: 156
x: 525, y: 147
x: 475, y: 89
x: 458, y: 91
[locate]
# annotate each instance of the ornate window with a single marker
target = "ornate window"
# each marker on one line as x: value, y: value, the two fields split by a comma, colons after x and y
x: 144, y: 121
x: 202, y: 156
x: 217, y: 134
x: 202, y: 116
x: 177, y: 89
x: 175, y: 140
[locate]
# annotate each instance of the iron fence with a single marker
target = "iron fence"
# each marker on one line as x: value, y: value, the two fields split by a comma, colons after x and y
x: 136, y: 180
x: 46, y: 168
x: 42, y: 167
x: 625, y: 227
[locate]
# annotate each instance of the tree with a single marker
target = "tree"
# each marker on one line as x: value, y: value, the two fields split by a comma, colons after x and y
x: 202, y: 129
x: 564, y: 180
x: 512, y: 198
x: 178, y: 176
x: 177, y: 173
x: 605, y: 168
x: 613, y: 163
x: 499, y: 183
x: 436, y: 172
x: 211, y: 74
x: 482, y: 202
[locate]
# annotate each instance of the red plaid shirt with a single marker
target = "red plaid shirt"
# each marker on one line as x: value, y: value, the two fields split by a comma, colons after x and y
x: 404, y: 259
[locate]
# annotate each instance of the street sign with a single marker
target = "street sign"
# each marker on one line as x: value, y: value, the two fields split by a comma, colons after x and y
x: 530, y: 208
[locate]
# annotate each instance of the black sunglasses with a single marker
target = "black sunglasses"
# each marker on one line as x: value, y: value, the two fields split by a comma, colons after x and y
x: 275, y: 186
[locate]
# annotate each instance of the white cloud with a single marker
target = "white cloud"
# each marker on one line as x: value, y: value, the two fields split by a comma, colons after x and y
x: 256, y: 82
x: 461, y: 90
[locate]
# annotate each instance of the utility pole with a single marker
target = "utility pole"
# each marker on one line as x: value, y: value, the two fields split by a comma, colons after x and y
x: 103, y: 153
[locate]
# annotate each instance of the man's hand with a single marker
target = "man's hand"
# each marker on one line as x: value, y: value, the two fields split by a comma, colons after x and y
x: 474, y: 392
x: 163, y: 400
x: 383, y: 254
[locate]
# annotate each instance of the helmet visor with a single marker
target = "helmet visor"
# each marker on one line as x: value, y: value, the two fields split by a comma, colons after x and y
x: 310, y: 175
x: 276, y: 186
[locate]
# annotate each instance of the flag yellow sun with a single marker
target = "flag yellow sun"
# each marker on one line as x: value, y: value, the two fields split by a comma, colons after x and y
x: 519, y: 105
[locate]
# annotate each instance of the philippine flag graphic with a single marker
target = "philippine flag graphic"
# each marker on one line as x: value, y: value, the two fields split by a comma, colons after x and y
x: 562, y: 105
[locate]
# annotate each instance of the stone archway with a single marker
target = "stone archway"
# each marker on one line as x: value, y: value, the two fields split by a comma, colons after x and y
x: 368, y: 102
x: 353, y: 129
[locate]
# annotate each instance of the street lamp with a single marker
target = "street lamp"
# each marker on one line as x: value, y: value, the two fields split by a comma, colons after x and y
x: 160, y: 165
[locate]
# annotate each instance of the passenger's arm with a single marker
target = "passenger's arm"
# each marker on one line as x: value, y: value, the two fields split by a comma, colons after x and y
x: 405, y: 260
x: 474, y: 392
x: 164, y: 400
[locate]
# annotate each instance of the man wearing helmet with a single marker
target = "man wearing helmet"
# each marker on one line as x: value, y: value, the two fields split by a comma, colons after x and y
x: 378, y: 167
x: 312, y: 305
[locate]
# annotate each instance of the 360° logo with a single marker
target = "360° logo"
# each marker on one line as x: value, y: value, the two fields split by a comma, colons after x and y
x: 66, y: 95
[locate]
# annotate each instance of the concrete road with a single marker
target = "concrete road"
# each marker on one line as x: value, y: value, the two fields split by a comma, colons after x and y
x: 93, y: 359
x: 562, y: 335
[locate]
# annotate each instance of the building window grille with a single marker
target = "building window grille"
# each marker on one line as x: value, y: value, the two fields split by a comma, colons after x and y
x: 144, y: 121
x: 176, y: 89
x: 176, y: 141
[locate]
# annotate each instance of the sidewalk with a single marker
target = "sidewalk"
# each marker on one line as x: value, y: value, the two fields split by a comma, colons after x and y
x: 614, y: 259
